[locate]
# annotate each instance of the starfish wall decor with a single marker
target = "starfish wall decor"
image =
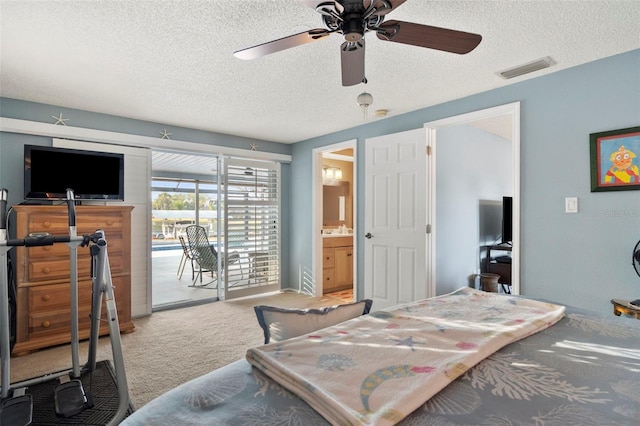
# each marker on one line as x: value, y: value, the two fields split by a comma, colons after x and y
x: 60, y: 120
x: 165, y: 134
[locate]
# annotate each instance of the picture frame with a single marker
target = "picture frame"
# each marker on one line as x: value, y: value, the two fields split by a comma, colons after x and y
x: 615, y: 160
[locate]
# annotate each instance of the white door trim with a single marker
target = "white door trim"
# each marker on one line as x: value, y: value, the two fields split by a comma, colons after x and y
x: 512, y: 109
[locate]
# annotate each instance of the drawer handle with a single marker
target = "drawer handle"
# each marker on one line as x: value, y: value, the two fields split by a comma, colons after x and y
x: 46, y: 324
x: 109, y: 222
x: 46, y: 270
x: 46, y: 298
x: 327, y: 278
x: 47, y: 224
x: 46, y: 248
x: 327, y: 257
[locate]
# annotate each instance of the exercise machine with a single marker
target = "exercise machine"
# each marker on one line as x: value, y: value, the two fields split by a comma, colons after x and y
x: 16, y: 405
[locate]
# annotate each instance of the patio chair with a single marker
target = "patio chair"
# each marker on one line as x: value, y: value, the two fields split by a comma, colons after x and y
x: 205, y: 255
x: 187, y: 256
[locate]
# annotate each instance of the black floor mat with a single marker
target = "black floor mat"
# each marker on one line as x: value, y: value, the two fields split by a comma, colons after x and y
x: 102, y: 388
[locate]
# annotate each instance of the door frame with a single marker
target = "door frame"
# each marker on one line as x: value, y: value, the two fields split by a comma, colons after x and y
x: 513, y: 110
x: 317, y: 208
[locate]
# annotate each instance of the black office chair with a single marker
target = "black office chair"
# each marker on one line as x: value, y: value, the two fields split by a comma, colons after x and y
x: 205, y: 255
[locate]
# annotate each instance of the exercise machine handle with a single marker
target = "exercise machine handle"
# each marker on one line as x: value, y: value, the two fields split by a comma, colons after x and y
x: 3, y: 208
x: 71, y: 204
x: 38, y: 239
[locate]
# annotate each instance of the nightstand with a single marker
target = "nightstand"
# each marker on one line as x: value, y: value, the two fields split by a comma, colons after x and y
x: 499, y: 266
x: 624, y: 307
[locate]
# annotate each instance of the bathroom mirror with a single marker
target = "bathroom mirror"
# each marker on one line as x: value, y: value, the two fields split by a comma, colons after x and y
x: 335, y: 204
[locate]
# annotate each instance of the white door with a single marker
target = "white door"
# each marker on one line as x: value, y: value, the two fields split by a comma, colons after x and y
x: 395, y: 218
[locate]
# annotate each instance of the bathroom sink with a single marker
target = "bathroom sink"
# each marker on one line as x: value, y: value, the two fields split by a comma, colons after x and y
x: 325, y: 235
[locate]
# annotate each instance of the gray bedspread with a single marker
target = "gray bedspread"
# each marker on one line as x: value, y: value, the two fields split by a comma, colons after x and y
x: 584, y: 370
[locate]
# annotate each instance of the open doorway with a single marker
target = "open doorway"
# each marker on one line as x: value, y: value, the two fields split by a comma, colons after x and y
x: 184, y: 191
x: 487, y: 169
x: 335, y: 221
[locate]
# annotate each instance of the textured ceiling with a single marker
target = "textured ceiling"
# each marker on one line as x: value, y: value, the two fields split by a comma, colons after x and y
x: 172, y: 62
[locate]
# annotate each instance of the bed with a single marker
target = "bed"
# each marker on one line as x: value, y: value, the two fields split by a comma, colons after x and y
x: 578, y: 368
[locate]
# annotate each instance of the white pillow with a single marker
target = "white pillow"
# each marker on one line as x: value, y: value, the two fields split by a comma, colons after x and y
x: 283, y: 323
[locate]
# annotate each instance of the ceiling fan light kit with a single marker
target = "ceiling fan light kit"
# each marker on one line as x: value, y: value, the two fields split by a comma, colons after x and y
x: 353, y: 19
x: 364, y: 100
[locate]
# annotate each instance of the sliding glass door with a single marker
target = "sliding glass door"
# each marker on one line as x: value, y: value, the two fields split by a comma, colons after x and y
x: 176, y: 204
x: 252, y: 227
x: 237, y: 202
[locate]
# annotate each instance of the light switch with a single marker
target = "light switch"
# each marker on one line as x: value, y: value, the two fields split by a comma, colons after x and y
x: 571, y: 205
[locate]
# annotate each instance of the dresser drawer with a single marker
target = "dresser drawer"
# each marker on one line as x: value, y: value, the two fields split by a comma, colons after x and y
x: 49, y: 308
x: 57, y: 296
x: 48, y: 269
x: 114, y: 244
x: 46, y: 324
x: 58, y: 222
x: 55, y: 322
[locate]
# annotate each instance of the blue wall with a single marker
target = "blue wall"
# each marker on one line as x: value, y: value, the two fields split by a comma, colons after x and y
x: 11, y: 145
x: 477, y: 166
x: 580, y: 259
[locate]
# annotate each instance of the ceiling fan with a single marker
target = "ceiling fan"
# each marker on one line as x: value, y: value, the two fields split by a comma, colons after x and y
x: 353, y: 19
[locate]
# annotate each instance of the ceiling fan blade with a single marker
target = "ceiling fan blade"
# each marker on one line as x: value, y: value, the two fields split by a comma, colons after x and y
x: 281, y: 44
x: 352, y: 58
x: 427, y: 36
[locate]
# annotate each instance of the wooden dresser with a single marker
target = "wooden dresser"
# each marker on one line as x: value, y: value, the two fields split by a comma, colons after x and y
x: 42, y: 273
x: 337, y: 263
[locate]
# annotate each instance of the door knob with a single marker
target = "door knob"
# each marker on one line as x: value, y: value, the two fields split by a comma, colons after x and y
x: 368, y: 235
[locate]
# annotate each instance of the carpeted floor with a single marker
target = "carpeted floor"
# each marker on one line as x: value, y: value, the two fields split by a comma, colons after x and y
x: 170, y: 347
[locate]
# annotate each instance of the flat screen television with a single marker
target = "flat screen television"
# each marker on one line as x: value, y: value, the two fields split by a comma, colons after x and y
x: 49, y: 171
x: 507, y: 220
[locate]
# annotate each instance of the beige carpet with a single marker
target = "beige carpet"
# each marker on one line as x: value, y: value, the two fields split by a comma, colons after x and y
x: 171, y: 347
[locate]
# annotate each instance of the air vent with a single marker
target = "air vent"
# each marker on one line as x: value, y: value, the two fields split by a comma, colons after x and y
x: 536, y: 65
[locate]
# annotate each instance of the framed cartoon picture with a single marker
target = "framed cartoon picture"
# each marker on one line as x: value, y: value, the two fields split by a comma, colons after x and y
x: 615, y: 160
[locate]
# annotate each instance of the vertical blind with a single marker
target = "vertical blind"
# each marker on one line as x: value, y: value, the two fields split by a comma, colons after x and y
x: 251, y: 227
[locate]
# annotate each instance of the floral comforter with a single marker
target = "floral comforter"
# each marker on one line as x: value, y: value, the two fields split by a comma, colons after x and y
x: 584, y: 370
x: 378, y: 368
